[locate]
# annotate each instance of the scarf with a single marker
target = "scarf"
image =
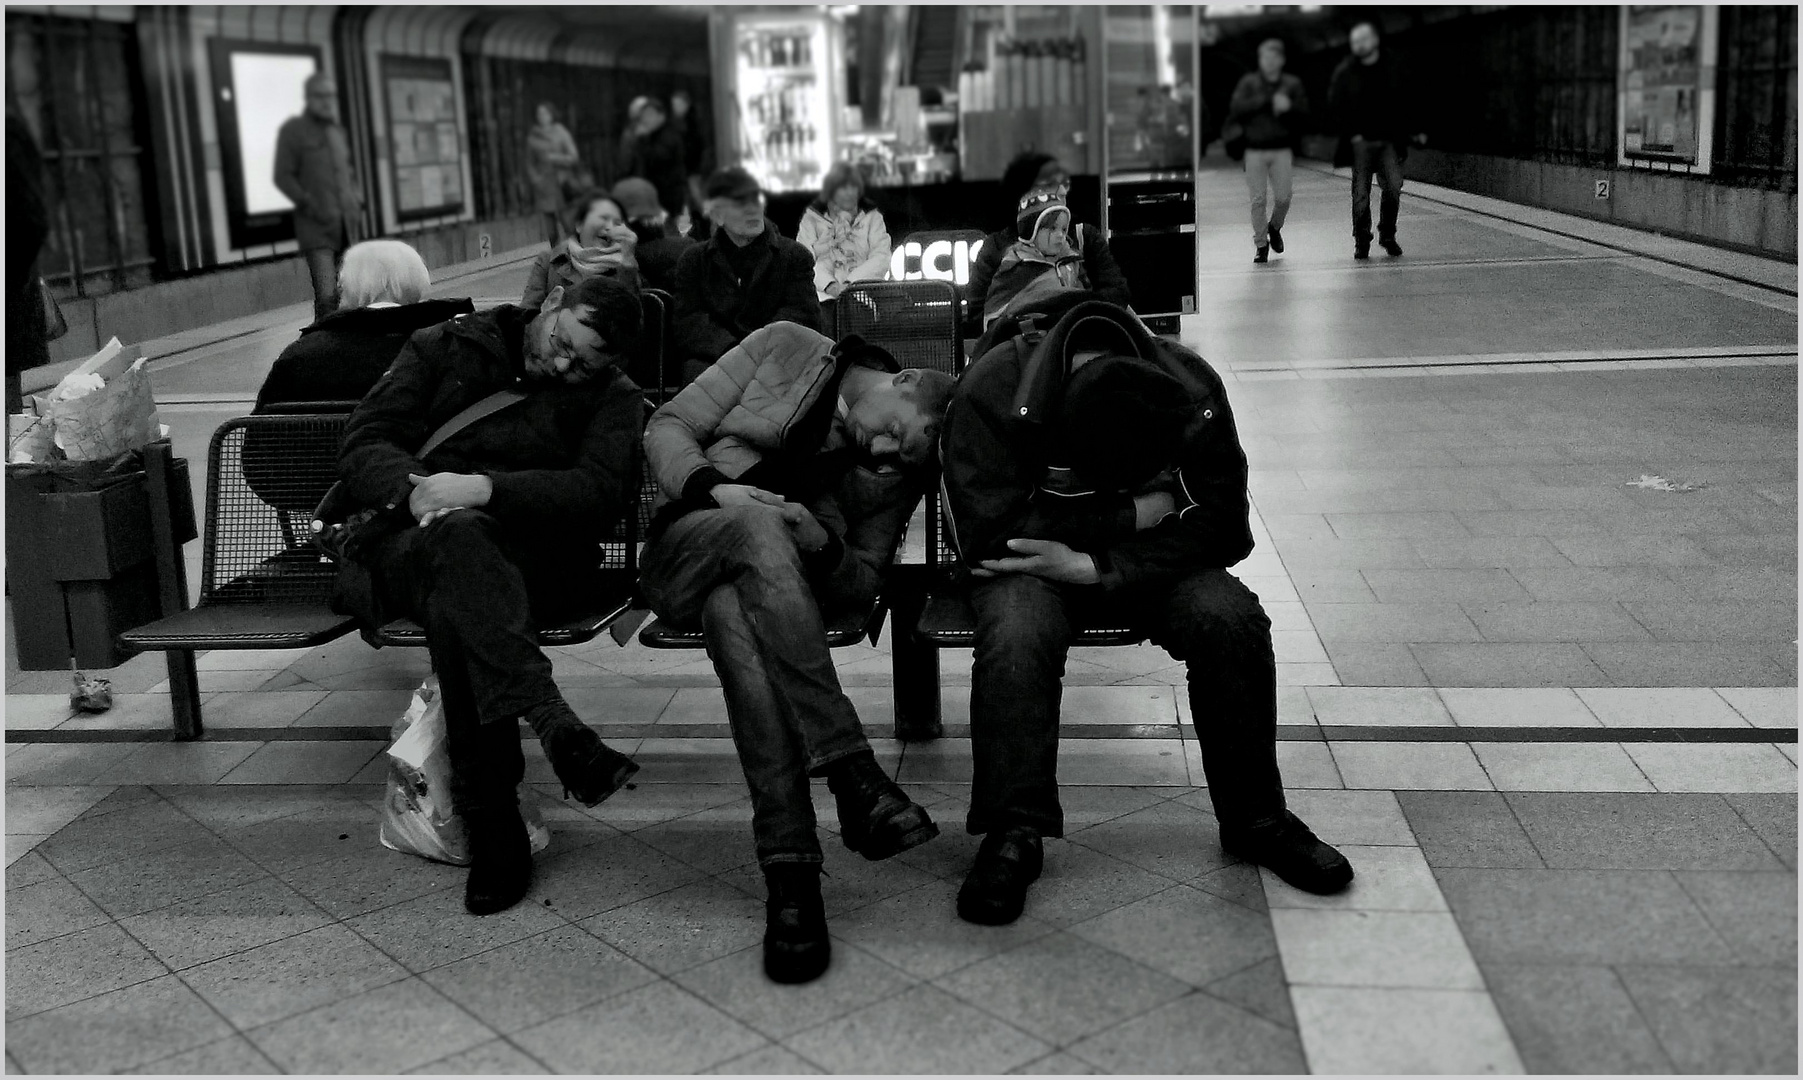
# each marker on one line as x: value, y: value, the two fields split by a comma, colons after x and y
x: 603, y: 258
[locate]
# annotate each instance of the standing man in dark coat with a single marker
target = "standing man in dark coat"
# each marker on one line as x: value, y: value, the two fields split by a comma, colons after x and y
x: 1097, y: 477
x: 746, y: 276
x: 1374, y: 109
x: 27, y: 226
x: 313, y: 168
x: 496, y: 529
x: 660, y: 156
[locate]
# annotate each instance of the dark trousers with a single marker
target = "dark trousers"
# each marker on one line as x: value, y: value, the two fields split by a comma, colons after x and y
x: 478, y: 591
x: 738, y: 573
x: 1208, y: 620
x: 1375, y: 158
x: 323, y: 265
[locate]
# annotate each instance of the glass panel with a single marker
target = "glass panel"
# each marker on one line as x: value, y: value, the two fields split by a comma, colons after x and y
x: 1151, y: 88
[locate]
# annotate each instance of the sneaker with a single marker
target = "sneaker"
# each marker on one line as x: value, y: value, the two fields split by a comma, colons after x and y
x: 500, y: 860
x: 1262, y: 255
x: 796, y: 946
x: 1391, y: 247
x: 1293, y: 852
x: 876, y: 817
x: 995, y: 891
x: 1276, y: 237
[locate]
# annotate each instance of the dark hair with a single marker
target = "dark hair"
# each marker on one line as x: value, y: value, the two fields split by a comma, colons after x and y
x: 1021, y: 175
x: 581, y: 205
x: 844, y: 172
x: 615, y: 311
x: 546, y: 105
x: 932, y: 390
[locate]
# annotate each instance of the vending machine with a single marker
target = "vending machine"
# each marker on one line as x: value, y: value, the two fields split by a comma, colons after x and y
x: 781, y: 74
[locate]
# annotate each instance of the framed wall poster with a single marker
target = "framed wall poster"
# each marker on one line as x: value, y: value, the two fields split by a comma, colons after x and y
x: 426, y: 150
x: 1666, y: 112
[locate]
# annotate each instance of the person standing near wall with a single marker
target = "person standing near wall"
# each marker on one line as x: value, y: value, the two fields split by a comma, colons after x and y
x: 659, y: 156
x: 551, y: 159
x: 27, y: 227
x: 313, y: 168
x: 1268, y: 106
x: 1374, y: 109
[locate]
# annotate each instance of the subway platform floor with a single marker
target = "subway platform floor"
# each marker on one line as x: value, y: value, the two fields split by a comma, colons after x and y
x: 1525, y: 504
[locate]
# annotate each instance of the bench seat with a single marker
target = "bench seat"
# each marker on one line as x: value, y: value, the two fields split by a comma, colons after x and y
x: 951, y: 623
x: 242, y: 626
x: 845, y: 628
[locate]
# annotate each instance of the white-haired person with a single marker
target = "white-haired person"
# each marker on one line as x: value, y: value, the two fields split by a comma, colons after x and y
x: 845, y: 233
x: 381, y: 302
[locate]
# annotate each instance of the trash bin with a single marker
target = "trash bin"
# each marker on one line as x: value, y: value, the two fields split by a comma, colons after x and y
x: 80, y: 563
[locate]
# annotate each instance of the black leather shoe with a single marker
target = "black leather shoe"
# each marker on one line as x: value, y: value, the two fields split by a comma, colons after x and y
x: 796, y: 946
x: 589, y: 768
x: 995, y: 890
x: 1294, y: 853
x: 1391, y: 247
x: 876, y: 817
x: 1262, y: 255
x: 500, y: 861
x: 1275, y: 235
x: 1361, y: 251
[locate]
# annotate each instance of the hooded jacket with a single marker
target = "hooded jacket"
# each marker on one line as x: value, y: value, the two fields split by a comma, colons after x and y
x: 564, y: 461
x: 761, y: 415
x: 845, y: 249
x: 1005, y: 477
x: 715, y: 308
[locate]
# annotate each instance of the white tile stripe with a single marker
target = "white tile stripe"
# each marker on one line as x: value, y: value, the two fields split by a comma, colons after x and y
x: 1301, y: 658
x: 1387, y: 953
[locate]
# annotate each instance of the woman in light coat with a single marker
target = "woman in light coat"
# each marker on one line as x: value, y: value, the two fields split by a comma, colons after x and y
x: 846, y: 235
x: 551, y: 159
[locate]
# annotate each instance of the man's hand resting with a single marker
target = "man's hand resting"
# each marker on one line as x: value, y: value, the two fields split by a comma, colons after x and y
x: 447, y: 491
x: 728, y: 496
x: 1044, y: 558
x: 1150, y: 509
x: 809, y: 534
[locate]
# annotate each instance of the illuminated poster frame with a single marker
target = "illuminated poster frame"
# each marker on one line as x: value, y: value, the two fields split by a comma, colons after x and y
x: 1665, y: 111
x: 425, y: 136
x: 246, y: 227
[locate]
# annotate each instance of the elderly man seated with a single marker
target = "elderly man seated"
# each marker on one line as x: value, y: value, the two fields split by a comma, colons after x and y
x: 492, y: 459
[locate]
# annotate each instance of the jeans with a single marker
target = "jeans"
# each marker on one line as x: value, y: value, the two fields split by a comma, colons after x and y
x: 323, y: 265
x: 1274, y: 167
x: 1208, y: 620
x: 739, y: 574
x: 1370, y: 157
x: 477, y: 592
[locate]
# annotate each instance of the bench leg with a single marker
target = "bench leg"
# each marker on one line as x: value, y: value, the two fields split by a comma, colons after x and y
x: 184, y: 694
x: 915, y: 665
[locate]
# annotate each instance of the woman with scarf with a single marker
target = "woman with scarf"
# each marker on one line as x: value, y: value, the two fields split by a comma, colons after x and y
x: 845, y: 233
x: 600, y: 243
x: 551, y: 160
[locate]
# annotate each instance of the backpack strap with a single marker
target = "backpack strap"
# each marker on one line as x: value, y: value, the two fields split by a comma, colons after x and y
x: 481, y: 410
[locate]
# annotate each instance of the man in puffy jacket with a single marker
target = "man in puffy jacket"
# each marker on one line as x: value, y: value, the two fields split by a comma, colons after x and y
x: 494, y: 530
x: 1269, y: 106
x: 746, y: 276
x: 1097, y: 476
x: 786, y: 473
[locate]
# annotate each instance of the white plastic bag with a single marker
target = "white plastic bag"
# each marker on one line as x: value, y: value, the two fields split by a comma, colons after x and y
x: 417, y: 814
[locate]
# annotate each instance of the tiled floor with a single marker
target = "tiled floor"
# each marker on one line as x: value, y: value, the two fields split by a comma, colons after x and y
x: 1549, y: 714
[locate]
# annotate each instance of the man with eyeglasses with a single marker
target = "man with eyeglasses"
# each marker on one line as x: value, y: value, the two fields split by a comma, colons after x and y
x: 480, y: 525
x: 745, y: 277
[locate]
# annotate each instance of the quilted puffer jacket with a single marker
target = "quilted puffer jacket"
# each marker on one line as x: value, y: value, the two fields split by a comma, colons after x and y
x: 762, y: 415
x: 846, y: 247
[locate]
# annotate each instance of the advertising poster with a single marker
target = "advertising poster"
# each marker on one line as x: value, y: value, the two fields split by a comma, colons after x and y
x: 422, y: 132
x: 1661, y: 106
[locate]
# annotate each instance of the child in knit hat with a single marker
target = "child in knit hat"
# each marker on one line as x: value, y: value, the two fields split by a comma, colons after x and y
x: 1043, y: 259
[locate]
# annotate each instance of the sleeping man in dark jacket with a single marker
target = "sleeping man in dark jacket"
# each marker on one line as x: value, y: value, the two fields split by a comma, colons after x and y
x: 496, y: 529
x: 1096, y: 477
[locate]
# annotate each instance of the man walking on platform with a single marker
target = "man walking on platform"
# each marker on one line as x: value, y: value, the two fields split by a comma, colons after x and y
x: 1269, y: 106
x: 313, y: 168
x: 1374, y: 109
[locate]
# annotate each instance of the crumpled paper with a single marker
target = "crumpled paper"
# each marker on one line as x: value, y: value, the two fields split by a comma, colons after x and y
x: 102, y: 409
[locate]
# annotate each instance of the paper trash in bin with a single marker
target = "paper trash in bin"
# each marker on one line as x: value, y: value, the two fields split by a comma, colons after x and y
x: 104, y: 407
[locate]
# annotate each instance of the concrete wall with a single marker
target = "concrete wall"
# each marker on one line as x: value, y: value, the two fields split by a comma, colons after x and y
x: 170, y: 307
x: 1746, y: 219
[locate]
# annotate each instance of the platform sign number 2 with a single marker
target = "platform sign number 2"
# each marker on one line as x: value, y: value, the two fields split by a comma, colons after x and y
x: 486, y: 245
x: 1602, y: 189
